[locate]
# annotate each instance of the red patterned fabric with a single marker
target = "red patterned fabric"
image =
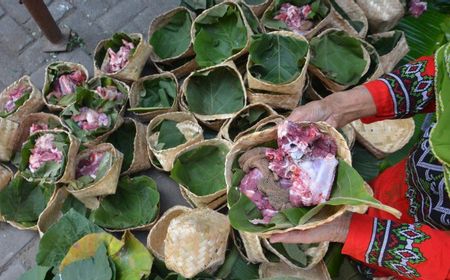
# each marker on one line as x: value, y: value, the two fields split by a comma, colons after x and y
x: 416, y: 245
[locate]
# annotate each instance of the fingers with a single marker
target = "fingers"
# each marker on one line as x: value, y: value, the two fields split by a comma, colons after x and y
x: 313, y: 111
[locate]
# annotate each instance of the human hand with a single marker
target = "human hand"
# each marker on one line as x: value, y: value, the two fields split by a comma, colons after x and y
x: 334, y: 231
x: 315, y: 111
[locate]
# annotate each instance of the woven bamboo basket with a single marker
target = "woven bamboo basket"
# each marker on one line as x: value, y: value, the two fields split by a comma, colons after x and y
x: 69, y: 169
x: 52, y: 121
x: 203, y: 235
x: 280, y: 270
x: 179, y: 71
x: 160, y: 22
x: 212, y: 121
x: 293, y: 87
x: 140, y: 160
x: 259, y: 9
x: 391, y: 59
x: 213, y: 200
x: 211, y: 10
x: 327, y: 214
x: 34, y: 103
x: 382, y: 15
x: 268, y: 123
x: 104, y: 186
x: 53, y: 212
x: 225, y: 129
x: 254, y: 252
x: 354, y: 13
x: 5, y: 177
x: 384, y: 137
x: 275, y: 100
x: 10, y: 131
x: 137, y: 88
x: 188, y: 126
x: 136, y: 61
x: 97, y: 80
x: 315, y: 253
x: 48, y: 83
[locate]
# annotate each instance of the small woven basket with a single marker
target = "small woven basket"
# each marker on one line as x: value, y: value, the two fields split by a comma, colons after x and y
x: 8, y: 137
x: 382, y: 15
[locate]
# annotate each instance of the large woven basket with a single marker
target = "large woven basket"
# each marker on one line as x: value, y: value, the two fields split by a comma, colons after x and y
x: 34, y: 103
x: 282, y: 270
x: 293, y: 87
x: 136, y: 89
x: 190, y: 241
x: 136, y: 62
x: 53, y: 212
x: 48, y: 83
x: 8, y: 137
x: 212, y: 121
x: 384, y: 137
x: 188, y: 126
x: 327, y: 214
x: 104, y: 186
x: 354, y: 13
x: 382, y: 15
x: 392, y: 58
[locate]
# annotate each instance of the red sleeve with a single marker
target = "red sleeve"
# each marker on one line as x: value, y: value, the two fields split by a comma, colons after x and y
x: 408, y: 251
x: 407, y: 91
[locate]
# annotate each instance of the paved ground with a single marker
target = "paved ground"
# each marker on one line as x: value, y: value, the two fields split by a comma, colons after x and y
x: 21, y: 53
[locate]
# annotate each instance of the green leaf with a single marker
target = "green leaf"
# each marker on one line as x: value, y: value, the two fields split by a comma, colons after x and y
x: 246, y: 120
x: 385, y: 45
x: 235, y: 267
x: 198, y: 6
x: 174, y: 38
x: 93, y: 268
x: 135, y: 203
x: 254, y: 2
x: 133, y: 261
x: 367, y: 165
x: 339, y: 57
x: 252, y: 20
x: 334, y: 258
x: 218, y: 91
x: 22, y: 201
x: 220, y: 33
x: 201, y: 170
x: 276, y: 58
x: 58, y: 239
x: 169, y: 135
x: 157, y: 93
x: 296, y: 253
x: 123, y: 140
x: 37, y: 273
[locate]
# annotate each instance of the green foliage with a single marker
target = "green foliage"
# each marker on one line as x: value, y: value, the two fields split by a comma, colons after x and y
x: 169, y: 135
x: 123, y: 140
x: 58, y: 239
x: 54, y: 71
x: 198, y: 6
x: 218, y: 91
x: 246, y: 120
x: 156, y: 94
x: 19, y: 102
x: 251, y: 18
x: 135, y: 203
x: 220, y: 33
x: 339, y: 56
x: 201, y: 170
x: 276, y: 58
x: 174, y: 38
x: 37, y: 273
x: 22, y: 201
x: 385, y: 45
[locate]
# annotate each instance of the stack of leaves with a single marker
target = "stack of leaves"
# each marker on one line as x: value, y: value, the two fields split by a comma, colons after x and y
x: 135, y: 205
x: 221, y: 34
x: 153, y: 95
x: 91, y: 117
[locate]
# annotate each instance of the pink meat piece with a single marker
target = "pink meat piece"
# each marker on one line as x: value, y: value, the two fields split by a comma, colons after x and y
x: 38, y: 126
x: 67, y: 84
x: 109, y: 93
x: 249, y: 187
x: 44, y: 150
x: 89, y: 166
x: 14, y: 95
x: 417, y: 7
x: 118, y: 60
x: 296, y: 18
x: 89, y: 119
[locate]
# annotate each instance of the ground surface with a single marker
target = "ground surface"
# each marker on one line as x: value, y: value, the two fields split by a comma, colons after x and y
x: 21, y: 54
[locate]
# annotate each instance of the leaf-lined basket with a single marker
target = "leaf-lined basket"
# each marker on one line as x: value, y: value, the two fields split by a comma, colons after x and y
x: 391, y: 47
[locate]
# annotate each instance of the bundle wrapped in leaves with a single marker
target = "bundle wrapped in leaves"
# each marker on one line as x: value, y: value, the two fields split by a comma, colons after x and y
x: 220, y: 34
x: 247, y: 121
x: 20, y: 99
x: 202, y: 233
x: 214, y: 94
x: 102, y: 256
x: 123, y: 56
x: 97, y: 174
x: 61, y: 82
x: 48, y: 156
x: 21, y: 201
x: 130, y: 140
x: 278, y: 62
x: 153, y: 95
x: 198, y: 169
x: 91, y: 118
x: 112, y: 90
x: 341, y: 61
x: 304, y: 17
x: 134, y: 206
x: 169, y: 134
x: 308, y: 179
x: 391, y: 46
